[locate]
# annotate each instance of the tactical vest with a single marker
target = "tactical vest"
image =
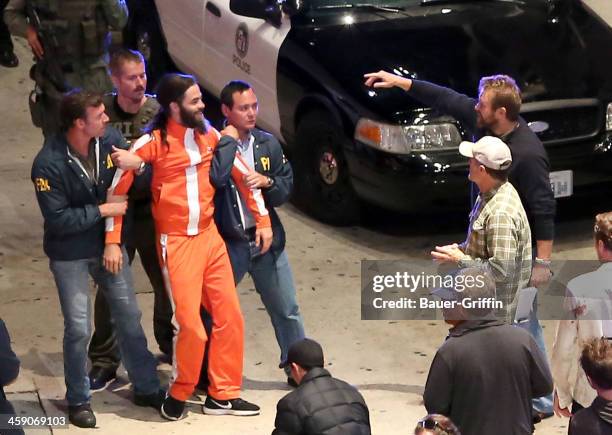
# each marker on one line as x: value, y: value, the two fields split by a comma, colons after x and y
x: 130, y: 127
x: 76, y: 29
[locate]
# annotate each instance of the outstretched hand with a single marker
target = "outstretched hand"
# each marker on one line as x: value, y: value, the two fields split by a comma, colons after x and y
x: 383, y: 79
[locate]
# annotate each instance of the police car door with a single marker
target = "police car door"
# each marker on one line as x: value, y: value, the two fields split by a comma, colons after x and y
x: 243, y: 48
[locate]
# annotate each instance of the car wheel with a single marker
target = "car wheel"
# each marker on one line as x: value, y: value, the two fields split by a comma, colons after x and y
x: 322, y: 183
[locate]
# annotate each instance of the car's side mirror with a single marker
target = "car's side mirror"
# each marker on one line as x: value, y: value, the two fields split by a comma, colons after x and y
x: 269, y: 10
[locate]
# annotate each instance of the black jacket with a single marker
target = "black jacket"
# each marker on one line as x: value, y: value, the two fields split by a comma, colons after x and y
x: 594, y: 420
x: 270, y: 161
x: 529, y: 172
x: 69, y: 201
x: 484, y: 377
x: 9, y: 363
x: 9, y: 369
x: 322, y: 405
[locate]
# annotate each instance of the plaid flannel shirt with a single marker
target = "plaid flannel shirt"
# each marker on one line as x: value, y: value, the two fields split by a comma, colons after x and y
x: 499, y: 240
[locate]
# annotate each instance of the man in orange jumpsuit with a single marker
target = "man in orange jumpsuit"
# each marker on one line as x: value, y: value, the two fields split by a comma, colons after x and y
x: 190, y: 159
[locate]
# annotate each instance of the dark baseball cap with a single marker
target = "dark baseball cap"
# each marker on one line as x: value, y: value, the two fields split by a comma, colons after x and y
x: 306, y: 353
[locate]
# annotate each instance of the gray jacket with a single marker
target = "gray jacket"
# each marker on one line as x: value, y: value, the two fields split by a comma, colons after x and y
x: 484, y: 377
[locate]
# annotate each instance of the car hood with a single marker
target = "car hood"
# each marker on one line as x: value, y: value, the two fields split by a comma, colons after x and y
x: 554, y: 49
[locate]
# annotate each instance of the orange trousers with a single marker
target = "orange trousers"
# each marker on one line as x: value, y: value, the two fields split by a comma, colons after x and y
x: 198, y: 272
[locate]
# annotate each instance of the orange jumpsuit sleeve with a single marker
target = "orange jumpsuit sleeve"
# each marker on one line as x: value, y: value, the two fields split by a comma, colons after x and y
x: 122, y: 181
x: 253, y: 197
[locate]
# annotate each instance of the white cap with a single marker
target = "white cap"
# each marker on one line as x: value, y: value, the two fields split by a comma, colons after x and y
x: 490, y: 151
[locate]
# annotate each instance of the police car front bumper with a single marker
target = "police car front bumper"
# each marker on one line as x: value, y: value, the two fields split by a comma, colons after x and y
x: 419, y: 182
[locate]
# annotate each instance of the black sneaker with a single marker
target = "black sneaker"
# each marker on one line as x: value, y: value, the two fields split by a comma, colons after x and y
x: 172, y: 409
x: 154, y: 400
x: 82, y: 416
x: 229, y: 407
x: 100, y: 378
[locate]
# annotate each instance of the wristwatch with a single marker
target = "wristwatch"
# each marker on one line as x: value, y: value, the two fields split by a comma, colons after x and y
x: 141, y: 168
x: 270, y: 182
x: 542, y: 262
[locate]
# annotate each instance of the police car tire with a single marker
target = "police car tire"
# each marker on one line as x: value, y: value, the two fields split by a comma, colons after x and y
x: 335, y: 203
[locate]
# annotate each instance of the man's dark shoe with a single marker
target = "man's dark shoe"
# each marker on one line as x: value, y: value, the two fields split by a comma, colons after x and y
x: 100, y: 378
x: 154, y: 400
x: 539, y: 416
x: 291, y: 382
x: 82, y: 416
x: 173, y: 409
x: 237, y: 406
x: 8, y: 59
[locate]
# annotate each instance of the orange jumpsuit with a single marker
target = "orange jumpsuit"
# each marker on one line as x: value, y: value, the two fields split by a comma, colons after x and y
x: 193, y: 256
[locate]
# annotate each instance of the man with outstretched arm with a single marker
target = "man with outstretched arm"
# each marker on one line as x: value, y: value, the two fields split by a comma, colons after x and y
x: 496, y: 113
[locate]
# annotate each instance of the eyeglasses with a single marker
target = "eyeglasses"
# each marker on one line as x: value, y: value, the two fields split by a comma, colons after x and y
x: 428, y: 423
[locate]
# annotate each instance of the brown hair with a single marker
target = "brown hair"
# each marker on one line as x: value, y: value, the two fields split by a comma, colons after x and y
x: 603, y: 229
x: 74, y: 106
x: 596, y: 361
x: 121, y: 56
x: 504, y: 93
x: 438, y: 424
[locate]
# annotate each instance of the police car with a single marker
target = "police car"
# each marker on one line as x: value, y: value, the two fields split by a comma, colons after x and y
x: 306, y: 60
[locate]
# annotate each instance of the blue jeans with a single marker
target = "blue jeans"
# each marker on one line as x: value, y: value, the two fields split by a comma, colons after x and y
x: 72, y: 280
x: 544, y: 403
x: 273, y: 281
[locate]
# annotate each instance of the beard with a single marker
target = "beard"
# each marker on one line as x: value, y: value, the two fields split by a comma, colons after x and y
x: 485, y: 124
x: 138, y: 93
x: 192, y: 119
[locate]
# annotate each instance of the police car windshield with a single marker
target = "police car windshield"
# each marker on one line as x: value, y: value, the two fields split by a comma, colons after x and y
x: 383, y: 5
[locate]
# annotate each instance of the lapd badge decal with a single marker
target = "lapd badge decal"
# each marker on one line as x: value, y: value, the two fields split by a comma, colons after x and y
x: 242, y: 48
x: 242, y: 40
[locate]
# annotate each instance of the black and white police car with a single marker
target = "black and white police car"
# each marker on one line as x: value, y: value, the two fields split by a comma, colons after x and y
x: 306, y: 60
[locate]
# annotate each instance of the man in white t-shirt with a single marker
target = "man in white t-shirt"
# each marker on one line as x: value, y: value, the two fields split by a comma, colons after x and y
x: 589, y: 300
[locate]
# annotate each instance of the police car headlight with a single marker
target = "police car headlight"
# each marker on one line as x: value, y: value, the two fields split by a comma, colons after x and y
x: 609, y: 117
x: 405, y: 139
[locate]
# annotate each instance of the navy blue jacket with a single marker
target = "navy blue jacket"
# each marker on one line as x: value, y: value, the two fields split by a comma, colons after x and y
x: 270, y: 161
x: 68, y: 200
x: 9, y: 363
x: 529, y: 172
x: 9, y: 369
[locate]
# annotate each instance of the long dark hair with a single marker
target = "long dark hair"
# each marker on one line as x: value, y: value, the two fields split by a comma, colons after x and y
x: 170, y: 89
